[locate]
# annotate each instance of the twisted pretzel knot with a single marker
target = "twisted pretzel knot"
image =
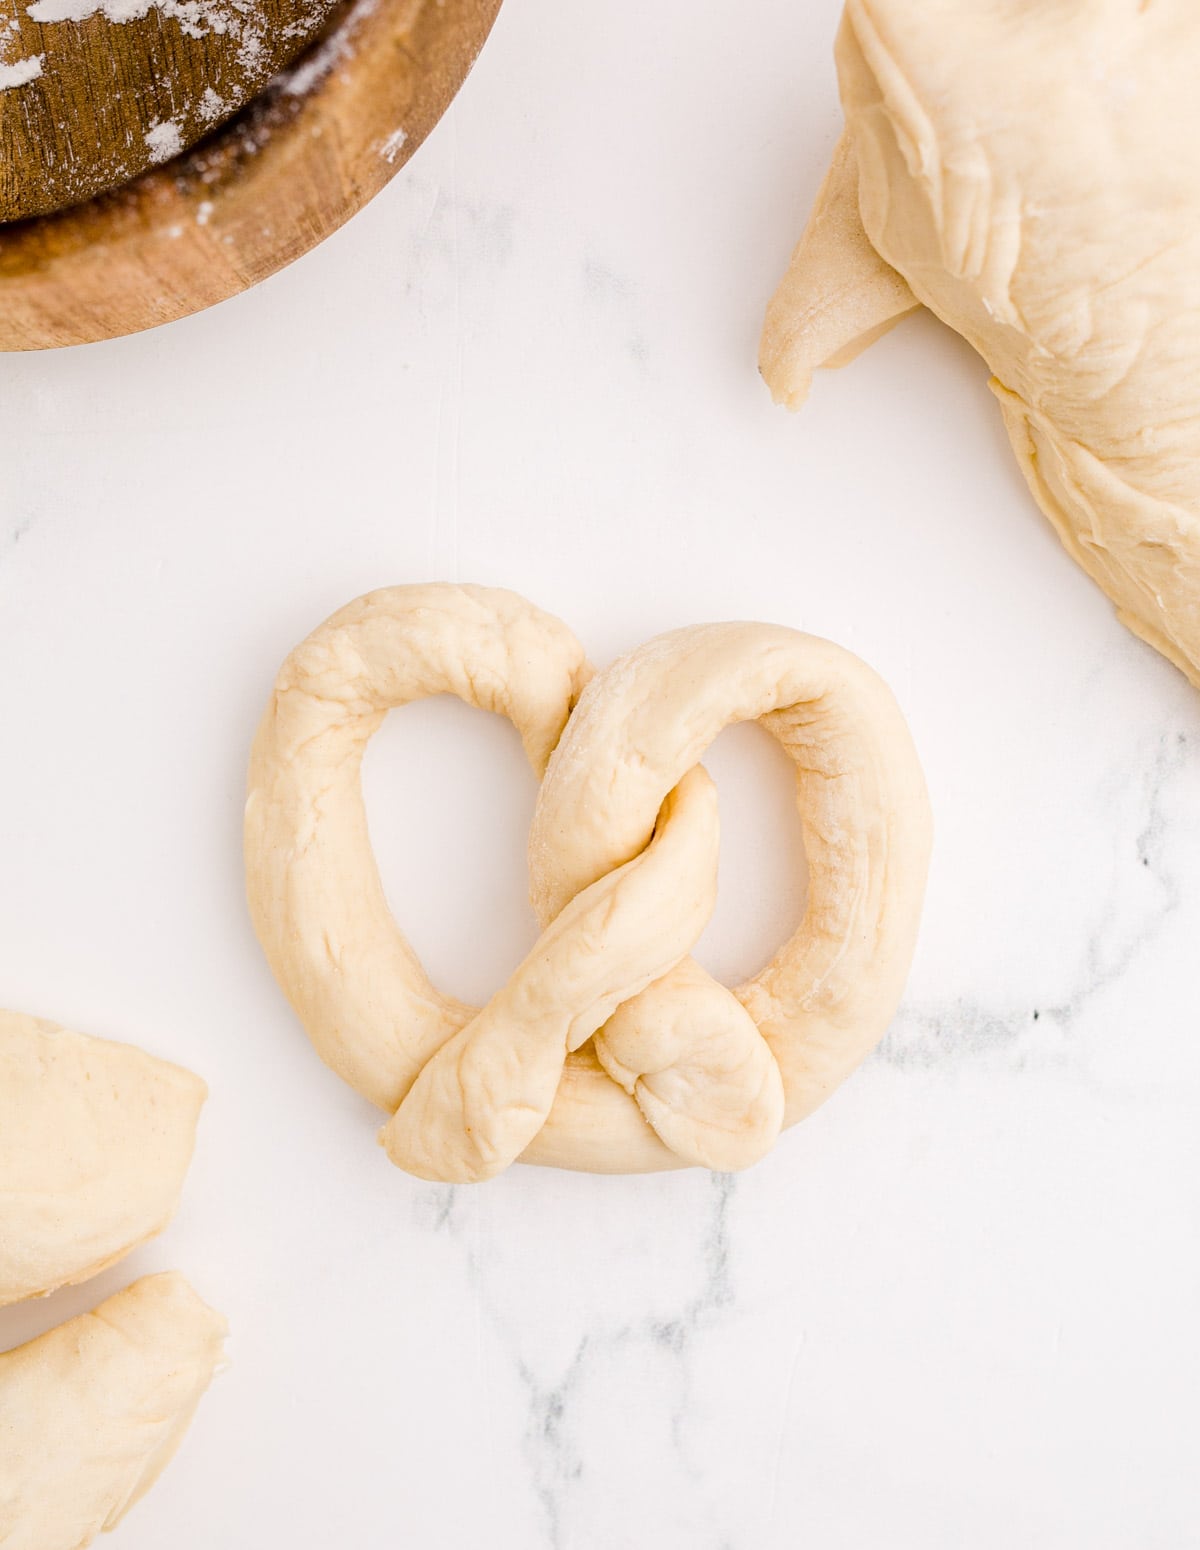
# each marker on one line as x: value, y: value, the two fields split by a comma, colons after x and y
x: 609, y: 1048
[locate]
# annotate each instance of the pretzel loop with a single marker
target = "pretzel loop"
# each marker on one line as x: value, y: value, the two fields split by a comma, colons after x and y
x: 609, y: 1047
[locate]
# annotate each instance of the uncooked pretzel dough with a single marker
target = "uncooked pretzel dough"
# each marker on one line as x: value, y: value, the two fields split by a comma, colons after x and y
x: 95, y: 1139
x: 92, y: 1412
x: 1031, y: 172
x: 609, y: 1048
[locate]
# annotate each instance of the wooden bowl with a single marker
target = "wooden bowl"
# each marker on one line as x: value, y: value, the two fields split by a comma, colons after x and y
x: 96, y: 92
x: 268, y: 186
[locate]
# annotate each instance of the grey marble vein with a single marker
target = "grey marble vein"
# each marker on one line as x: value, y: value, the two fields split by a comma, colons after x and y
x: 1040, y: 1032
x: 556, y: 1460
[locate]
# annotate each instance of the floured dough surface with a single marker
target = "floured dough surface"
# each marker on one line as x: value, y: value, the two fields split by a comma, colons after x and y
x: 95, y: 1140
x: 1031, y: 173
x: 92, y: 1412
x: 609, y: 1048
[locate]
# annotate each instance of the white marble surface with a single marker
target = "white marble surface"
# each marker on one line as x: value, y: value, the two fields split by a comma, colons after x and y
x: 958, y: 1308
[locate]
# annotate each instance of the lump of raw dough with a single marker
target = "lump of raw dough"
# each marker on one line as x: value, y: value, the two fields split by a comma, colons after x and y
x: 92, y: 1412
x: 1031, y: 173
x: 95, y: 1139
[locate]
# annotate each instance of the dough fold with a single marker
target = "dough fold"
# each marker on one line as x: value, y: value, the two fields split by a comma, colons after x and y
x: 1031, y: 173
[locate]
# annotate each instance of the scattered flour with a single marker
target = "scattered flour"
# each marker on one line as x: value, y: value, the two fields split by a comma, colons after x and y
x: 164, y: 140
x: 211, y: 105
x: 195, y: 18
x: 335, y: 50
x: 21, y: 71
x: 80, y: 10
x: 392, y: 146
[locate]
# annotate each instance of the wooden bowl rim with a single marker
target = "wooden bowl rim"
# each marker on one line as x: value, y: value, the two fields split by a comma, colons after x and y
x: 270, y: 185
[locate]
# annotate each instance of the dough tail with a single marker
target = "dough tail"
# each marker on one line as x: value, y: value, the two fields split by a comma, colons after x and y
x: 837, y: 297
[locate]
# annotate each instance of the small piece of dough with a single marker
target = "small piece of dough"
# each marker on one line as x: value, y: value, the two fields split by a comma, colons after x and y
x: 1031, y: 173
x: 91, y: 1413
x: 609, y: 1048
x: 95, y: 1139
